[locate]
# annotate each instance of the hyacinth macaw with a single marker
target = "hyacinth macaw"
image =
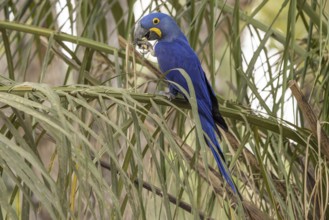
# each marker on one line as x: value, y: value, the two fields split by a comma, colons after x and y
x: 173, y: 51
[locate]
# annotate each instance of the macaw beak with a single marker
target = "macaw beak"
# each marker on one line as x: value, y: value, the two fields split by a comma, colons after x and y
x: 142, y: 34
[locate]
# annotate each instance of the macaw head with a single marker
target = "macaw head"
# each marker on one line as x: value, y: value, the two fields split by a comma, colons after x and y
x: 157, y: 26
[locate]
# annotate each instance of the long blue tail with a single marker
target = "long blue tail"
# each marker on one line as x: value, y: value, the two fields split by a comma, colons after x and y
x: 209, y: 128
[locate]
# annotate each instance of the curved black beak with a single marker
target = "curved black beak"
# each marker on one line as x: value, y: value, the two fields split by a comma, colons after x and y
x: 142, y: 34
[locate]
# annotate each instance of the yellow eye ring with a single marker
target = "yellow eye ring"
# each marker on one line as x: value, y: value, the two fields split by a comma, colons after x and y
x: 156, y: 20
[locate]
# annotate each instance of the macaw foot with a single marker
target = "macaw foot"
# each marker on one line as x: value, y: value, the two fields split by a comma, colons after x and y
x: 145, y: 46
x: 168, y: 95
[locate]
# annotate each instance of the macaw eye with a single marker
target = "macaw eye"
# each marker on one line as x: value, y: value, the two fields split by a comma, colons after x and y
x: 156, y: 20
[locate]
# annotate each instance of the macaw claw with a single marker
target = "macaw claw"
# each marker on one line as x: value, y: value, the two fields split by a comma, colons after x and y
x: 168, y: 95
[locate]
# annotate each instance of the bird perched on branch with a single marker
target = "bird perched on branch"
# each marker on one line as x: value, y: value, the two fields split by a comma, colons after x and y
x: 173, y: 53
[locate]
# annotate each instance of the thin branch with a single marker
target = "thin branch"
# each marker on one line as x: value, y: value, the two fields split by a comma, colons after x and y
x: 187, y: 207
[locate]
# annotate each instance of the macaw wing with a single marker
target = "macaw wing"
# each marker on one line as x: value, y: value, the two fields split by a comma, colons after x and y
x: 215, y: 109
x: 180, y: 55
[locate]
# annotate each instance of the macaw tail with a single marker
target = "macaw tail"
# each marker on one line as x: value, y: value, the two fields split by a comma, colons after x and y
x: 212, y: 142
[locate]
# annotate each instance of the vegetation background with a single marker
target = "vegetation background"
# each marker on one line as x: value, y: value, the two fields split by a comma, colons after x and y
x: 84, y: 136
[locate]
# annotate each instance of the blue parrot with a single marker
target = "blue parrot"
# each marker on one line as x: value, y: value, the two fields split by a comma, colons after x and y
x: 173, y: 51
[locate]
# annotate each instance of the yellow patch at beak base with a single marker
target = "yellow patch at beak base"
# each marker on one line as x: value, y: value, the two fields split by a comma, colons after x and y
x: 157, y: 31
